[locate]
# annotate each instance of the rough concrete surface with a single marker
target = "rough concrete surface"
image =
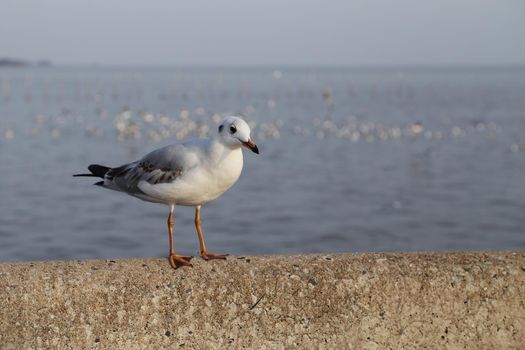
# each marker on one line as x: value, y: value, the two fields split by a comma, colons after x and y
x: 335, y: 301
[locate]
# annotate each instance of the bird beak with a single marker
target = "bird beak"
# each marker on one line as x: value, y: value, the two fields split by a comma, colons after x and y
x: 251, y: 145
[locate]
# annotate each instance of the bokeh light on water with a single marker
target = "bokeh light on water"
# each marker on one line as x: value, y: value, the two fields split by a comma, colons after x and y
x: 351, y: 159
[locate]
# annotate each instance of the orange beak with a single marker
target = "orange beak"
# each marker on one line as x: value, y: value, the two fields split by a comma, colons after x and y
x: 251, y: 145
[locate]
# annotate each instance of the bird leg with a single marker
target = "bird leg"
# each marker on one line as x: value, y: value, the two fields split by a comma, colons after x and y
x: 175, y: 260
x: 204, y: 253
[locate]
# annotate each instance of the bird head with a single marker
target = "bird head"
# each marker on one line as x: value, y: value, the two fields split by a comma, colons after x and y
x: 235, y: 132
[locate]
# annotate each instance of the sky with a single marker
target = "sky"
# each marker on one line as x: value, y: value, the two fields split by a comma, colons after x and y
x: 269, y: 32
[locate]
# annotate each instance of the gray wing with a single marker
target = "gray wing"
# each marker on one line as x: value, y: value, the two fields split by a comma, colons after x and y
x: 163, y: 165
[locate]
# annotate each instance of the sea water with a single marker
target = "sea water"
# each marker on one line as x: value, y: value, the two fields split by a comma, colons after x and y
x: 352, y: 159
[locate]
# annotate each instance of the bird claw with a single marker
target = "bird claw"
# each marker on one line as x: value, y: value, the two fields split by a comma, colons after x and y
x: 210, y: 256
x: 177, y: 261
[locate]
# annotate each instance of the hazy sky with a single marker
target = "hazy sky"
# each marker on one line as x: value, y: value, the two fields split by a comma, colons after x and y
x: 266, y: 32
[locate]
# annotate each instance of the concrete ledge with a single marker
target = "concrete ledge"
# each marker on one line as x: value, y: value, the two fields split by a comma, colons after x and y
x: 363, y: 301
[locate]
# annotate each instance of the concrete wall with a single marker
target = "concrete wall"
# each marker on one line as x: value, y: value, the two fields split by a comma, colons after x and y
x: 364, y: 301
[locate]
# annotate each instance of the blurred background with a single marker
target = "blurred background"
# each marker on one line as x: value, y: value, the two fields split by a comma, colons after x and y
x: 383, y: 126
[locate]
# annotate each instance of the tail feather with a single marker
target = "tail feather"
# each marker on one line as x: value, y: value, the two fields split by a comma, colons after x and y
x: 96, y: 171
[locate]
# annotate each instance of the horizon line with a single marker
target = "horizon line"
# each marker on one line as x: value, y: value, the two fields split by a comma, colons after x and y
x: 276, y: 66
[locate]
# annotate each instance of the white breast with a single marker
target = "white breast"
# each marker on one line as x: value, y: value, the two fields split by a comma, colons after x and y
x: 225, y: 173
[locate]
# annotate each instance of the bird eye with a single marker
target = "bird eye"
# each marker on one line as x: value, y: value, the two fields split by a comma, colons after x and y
x: 233, y: 129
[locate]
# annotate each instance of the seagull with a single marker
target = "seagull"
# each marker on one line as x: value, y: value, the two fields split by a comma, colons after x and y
x: 190, y: 173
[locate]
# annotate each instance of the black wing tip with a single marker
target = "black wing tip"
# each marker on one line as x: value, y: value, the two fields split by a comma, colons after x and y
x: 100, y: 183
x: 98, y: 170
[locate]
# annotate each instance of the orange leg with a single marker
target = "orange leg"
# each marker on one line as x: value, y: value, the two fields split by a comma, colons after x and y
x: 175, y: 260
x: 204, y: 253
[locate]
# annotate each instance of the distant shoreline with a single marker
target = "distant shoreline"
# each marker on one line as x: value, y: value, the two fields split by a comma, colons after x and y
x: 14, y: 62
